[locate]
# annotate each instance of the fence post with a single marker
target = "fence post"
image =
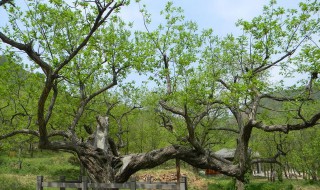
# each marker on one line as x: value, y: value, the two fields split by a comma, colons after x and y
x: 62, y: 179
x: 84, y: 183
x: 183, y: 183
x: 80, y: 181
x: 39, y: 182
x: 132, y: 183
x: 149, y: 179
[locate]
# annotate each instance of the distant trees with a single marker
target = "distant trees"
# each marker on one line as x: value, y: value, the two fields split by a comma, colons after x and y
x: 205, y: 84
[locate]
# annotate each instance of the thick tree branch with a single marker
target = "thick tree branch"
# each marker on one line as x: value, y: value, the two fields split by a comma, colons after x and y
x: 53, y: 101
x: 135, y: 162
x: 18, y: 132
x: 27, y: 48
x: 168, y: 79
x: 47, y: 69
x: 42, y: 123
x: 288, y: 127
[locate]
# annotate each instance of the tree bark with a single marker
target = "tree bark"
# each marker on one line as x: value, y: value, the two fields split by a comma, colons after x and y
x: 178, y: 170
x: 98, y: 165
x: 240, y: 184
x: 242, y: 157
x: 104, y: 167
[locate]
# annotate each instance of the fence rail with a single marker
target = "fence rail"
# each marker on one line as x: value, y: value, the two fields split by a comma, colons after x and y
x: 84, y: 184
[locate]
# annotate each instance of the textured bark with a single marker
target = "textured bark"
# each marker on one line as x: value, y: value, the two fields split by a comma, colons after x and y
x: 242, y: 155
x: 101, y: 134
x: 98, y: 164
x: 240, y: 185
x: 135, y: 162
x: 104, y: 167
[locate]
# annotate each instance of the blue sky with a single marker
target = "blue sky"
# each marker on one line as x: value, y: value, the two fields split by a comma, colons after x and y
x: 220, y: 15
x: 217, y: 14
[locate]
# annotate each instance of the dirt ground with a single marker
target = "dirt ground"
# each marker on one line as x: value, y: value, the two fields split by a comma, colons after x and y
x: 194, y: 181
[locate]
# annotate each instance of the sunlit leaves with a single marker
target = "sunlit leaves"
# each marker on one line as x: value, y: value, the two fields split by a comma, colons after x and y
x: 18, y: 89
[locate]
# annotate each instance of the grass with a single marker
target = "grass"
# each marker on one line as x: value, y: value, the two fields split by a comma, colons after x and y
x: 262, y: 184
x: 254, y: 186
x: 51, y: 165
x: 46, y: 163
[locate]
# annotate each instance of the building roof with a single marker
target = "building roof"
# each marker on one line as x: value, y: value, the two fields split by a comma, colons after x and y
x: 229, y: 153
x: 226, y: 152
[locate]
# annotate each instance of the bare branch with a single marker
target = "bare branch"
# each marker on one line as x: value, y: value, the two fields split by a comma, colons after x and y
x: 5, y: 106
x: 200, y: 116
x: 224, y: 84
x: 129, y: 111
x: 27, y: 48
x: 265, y: 67
x: 100, y: 19
x: 15, y: 115
x: 172, y: 109
x: 119, y: 123
x: 84, y: 103
x: 110, y: 107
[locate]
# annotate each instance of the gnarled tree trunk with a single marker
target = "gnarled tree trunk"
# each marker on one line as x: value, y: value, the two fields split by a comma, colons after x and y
x: 98, y: 164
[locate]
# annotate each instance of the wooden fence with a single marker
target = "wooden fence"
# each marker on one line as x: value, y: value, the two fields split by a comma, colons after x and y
x: 84, y: 184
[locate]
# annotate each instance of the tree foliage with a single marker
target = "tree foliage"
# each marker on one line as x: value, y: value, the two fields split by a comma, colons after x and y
x: 206, y: 86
